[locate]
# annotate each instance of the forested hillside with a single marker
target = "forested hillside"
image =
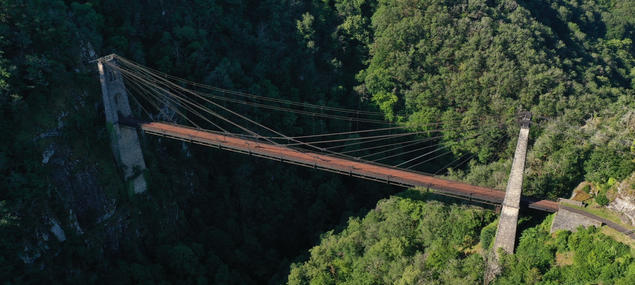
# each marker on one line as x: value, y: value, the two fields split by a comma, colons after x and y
x: 215, y: 217
x: 209, y: 216
x: 565, y: 61
x: 406, y: 240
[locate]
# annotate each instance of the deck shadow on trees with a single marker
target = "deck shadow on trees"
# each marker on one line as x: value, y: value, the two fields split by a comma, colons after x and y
x: 426, y: 196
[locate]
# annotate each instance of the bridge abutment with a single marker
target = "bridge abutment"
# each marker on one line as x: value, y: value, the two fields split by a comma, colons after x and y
x: 124, y: 140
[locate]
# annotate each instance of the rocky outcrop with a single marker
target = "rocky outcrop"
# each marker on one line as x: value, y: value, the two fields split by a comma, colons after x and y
x: 79, y: 200
x: 57, y: 231
x: 624, y: 202
x: 79, y: 189
x: 625, y: 207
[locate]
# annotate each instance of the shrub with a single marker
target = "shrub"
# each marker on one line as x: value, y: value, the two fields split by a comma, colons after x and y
x: 562, y: 238
x: 605, y: 163
x: 487, y: 234
x: 601, y: 199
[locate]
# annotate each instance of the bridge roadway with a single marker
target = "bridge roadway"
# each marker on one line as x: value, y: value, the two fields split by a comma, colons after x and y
x: 340, y: 165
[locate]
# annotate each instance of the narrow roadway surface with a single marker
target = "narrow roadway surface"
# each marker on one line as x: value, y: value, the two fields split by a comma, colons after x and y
x: 337, y: 164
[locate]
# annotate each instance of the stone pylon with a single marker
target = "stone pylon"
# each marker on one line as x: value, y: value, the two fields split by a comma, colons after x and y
x: 124, y: 139
x: 508, y: 221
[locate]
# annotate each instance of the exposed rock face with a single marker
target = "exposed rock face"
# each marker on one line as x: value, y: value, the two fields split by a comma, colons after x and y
x: 624, y: 202
x: 29, y: 255
x: 79, y: 199
x: 625, y: 206
x: 57, y: 231
x: 79, y: 189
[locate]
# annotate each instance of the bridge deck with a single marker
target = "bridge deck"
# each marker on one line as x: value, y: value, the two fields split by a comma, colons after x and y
x: 337, y: 164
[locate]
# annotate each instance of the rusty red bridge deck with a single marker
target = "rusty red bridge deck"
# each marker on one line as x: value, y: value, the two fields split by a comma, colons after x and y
x: 340, y: 165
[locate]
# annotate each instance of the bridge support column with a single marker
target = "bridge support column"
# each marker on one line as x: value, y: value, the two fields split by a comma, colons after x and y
x: 124, y: 140
x: 508, y: 221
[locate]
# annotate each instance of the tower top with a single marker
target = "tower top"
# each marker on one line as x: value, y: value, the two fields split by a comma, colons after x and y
x: 104, y: 58
x: 524, y: 118
x: 107, y: 57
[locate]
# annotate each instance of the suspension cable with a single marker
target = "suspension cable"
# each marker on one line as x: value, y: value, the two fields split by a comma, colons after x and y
x: 348, y: 133
x: 206, y: 109
x: 172, y: 100
x: 425, y: 154
x: 242, y: 94
x: 300, y: 112
x: 407, y: 152
x: 431, y: 131
x: 407, y: 143
x: 137, y: 101
x: 430, y: 159
x: 356, y: 138
x: 187, y: 101
x: 416, y: 142
x: 232, y: 112
x: 176, y: 110
x: 499, y: 141
x: 155, y: 80
x: 459, y: 158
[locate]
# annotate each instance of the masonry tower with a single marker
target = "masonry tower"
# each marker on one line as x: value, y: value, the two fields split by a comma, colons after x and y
x: 124, y: 139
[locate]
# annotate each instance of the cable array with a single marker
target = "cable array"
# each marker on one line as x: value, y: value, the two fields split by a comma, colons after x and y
x: 164, y: 97
x: 252, y: 96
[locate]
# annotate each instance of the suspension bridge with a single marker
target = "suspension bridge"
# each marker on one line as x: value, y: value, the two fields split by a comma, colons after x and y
x: 365, y: 170
x: 179, y: 109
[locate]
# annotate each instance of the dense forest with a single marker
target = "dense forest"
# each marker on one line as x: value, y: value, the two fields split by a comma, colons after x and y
x: 408, y: 240
x: 216, y: 217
